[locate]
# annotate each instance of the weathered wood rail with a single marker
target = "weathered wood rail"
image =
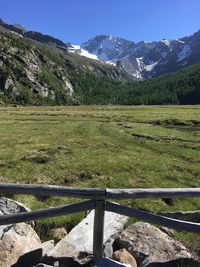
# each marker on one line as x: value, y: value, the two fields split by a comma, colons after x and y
x: 98, y: 200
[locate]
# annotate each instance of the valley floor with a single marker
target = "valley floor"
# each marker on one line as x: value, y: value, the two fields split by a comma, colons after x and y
x: 102, y: 146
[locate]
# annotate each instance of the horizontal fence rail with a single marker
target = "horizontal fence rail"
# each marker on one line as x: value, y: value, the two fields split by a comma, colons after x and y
x: 153, y: 218
x: 98, y: 200
x: 152, y: 193
x: 98, y: 193
x: 47, y: 190
x: 47, y: 213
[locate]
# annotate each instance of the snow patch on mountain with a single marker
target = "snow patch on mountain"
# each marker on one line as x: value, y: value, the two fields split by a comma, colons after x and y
x: 166, y: 42
x: 76, y: 49
x: 151, y: 66
x: 140, y: 63
x: 16, y: 33
x: 110, y: 62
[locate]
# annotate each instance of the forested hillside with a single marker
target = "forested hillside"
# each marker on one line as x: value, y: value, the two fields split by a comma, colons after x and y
x: 180, y: 88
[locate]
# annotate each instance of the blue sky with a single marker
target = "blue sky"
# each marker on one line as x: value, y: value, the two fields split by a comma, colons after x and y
x: 78, y: 20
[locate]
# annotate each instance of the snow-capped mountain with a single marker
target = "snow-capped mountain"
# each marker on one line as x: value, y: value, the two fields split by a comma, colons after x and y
x: 145, y: 60
x: 142, y: 60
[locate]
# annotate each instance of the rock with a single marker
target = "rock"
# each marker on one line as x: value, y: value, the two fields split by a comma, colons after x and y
x: 80, y: 239
x: 46, y: 247
x: 105, y: 262
x: 9, y: 206
x: 58, y: 233
x: 108, y: 247
x: 123, y: 256
x: 68, y: 85
x: 8, y: 83
x: 152, y: 247
x: 16, y: 239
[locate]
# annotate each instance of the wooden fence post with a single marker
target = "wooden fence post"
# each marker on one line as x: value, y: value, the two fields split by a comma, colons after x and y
x: 98, y: 233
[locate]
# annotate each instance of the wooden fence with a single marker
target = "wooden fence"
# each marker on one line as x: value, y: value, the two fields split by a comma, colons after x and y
x: 98, y: 200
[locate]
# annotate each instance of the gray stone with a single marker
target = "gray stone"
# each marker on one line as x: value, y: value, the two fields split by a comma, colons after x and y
x: 68, y: 85
x: 9, y: 206
x: 152, y: 247
x: 46, y: 247
x: 108, y: 247
x: 80, y: 239
x: 8, y: 83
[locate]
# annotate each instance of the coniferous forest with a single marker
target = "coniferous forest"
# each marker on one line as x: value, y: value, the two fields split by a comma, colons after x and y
x: 179, y: 88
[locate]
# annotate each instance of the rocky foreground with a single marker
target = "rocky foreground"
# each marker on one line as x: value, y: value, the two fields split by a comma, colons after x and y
x: 141, y: 244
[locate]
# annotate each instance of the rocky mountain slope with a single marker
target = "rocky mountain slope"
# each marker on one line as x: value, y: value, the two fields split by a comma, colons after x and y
x: 145, y: 60
x: 37, y: 69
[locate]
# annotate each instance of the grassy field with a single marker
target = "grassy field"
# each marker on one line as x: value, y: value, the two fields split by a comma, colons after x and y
x: 102, y: 146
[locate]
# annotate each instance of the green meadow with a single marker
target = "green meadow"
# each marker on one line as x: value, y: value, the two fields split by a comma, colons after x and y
x: 101, y: 146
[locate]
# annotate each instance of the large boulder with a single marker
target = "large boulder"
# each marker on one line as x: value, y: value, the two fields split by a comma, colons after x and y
x: 15, y: 239
x: 80, y: 239
x: 152, y: 247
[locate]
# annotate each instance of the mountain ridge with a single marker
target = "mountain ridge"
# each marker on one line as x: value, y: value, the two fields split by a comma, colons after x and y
x: 39, y: 70
x: 144, y: 60
x: 140, y: 60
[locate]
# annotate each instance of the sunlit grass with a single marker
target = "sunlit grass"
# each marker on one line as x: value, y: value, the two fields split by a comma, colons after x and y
x: 102, y: 146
